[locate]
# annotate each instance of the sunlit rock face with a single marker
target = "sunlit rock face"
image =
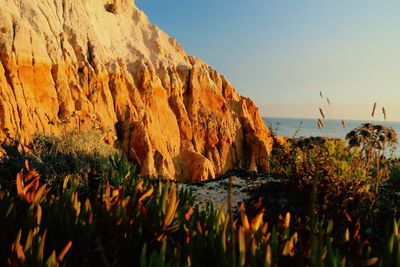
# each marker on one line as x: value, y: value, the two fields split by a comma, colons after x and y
x: 73, y: 64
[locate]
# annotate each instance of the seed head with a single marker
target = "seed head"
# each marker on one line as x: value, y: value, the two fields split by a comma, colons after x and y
x: 373, y: 110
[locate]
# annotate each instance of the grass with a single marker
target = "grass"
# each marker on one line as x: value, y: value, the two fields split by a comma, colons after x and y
x: 80, y: 154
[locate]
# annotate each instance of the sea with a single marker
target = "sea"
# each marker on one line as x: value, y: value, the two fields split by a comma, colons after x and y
x: 301, y: 127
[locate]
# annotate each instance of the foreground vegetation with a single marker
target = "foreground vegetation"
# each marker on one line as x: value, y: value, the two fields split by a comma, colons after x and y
x: 104, y: 214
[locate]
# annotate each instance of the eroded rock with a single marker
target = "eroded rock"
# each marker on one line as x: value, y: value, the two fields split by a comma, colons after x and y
x: 90, y: 63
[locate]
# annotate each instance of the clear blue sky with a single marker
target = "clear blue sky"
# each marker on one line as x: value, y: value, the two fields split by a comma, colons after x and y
x: 282, y: 53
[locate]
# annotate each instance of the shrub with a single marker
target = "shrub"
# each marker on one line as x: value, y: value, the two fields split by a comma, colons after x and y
x: 373, y: 140
x: 342, y: 183
x: 81, y: 154
x: 375, y: 143
x: 339, y: 177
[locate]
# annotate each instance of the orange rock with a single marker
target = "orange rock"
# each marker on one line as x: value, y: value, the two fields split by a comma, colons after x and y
x: 92, y: 63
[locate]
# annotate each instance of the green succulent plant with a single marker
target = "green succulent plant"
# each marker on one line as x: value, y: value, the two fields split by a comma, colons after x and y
x: 131, y: 220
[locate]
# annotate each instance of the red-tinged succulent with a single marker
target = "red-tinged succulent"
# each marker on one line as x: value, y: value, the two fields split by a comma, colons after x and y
x: 28, y: 185
x: 189, y: 214
x: 32, y: 251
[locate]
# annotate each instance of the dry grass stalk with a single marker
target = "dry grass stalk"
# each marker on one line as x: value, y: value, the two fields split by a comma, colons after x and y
x: 373, y: 110
x: 384, y: 112
x: 343, y: 124
x: 298, y: 129
x: 320, y: 124
x: 322, y: 113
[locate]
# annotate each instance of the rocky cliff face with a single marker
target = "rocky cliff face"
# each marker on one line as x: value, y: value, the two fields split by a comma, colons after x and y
x: 100, y: 63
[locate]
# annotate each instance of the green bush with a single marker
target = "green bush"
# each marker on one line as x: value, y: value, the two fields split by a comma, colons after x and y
x: 338, y: 178
x: 342, y: 183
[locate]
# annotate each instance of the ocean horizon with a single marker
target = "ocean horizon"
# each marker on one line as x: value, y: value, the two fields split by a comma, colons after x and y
x: 306, y: 127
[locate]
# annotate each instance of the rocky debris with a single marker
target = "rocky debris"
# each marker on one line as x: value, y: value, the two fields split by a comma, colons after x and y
x: 216, y: 192
x: 100, y: 63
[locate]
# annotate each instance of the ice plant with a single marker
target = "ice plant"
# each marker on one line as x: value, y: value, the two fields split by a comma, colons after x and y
x: 28, y: 185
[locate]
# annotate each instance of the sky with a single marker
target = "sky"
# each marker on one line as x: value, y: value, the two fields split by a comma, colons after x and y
x: 282, y: 53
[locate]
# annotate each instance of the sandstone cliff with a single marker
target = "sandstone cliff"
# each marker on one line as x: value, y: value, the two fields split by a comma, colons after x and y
x: 100, y: 63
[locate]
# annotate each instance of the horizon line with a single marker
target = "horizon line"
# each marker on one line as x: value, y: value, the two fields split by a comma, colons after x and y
x: 332, y: 119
